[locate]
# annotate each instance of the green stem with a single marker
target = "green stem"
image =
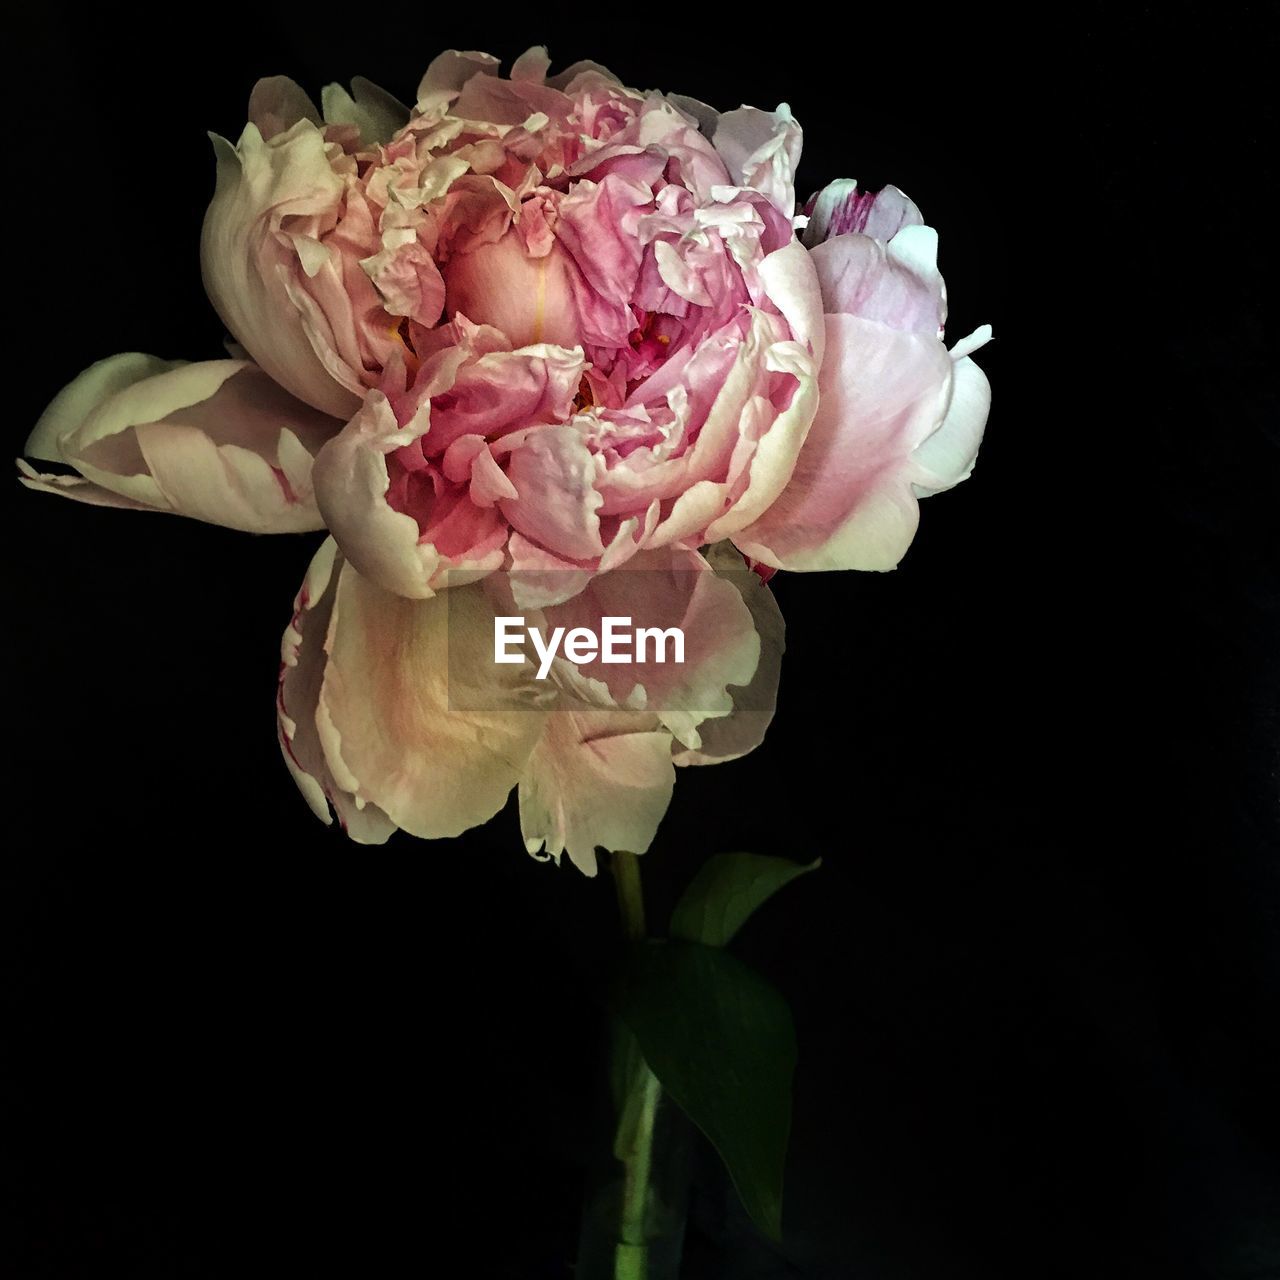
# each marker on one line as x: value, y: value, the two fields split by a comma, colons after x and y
x: 626, y: 878
x: 631, y: 1257
x: 640, y: 1108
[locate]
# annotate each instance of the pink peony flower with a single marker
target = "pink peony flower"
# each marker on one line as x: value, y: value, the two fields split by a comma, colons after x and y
x: 627, y: 359
x: 534, y: 324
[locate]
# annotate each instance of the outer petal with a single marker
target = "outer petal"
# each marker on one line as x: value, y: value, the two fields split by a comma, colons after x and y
x: 897, y: 284
x: 250, y: 263
x: 761, y: 150
x: 302, y: 663
x: 792, y: 283
x: 743, y: 729
x: 595, y: 778
x: 216, y: 440
x: 849, y: 503
x: 277, y: 103
x: 450, y: 70
x: 77, y: 488
x: 376, y: 113
x: 947, y: 456
x: 83, y: 394
x: 663, y: 589
x: 392, y: 737
x: 840, y: 208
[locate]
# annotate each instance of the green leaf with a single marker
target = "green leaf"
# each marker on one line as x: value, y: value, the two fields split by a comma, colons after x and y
x: 721, y: 1041
x: 725, y: 893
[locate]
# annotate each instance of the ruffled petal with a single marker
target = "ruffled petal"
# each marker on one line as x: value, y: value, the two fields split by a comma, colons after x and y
x: 554, y: 473
x: 385, y: 544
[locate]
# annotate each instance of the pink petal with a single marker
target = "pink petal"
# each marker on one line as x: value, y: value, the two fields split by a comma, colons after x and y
x: 554, y: 474
x: 840, y: 209
x: 849, y: 503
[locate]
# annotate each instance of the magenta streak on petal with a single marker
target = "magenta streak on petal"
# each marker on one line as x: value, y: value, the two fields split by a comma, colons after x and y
x: 283, y: 481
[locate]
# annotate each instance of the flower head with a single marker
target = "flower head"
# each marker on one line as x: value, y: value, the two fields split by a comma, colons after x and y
x: 550, y: 341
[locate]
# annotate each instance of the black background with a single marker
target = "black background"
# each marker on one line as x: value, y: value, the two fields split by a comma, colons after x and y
x: 1035, y: 980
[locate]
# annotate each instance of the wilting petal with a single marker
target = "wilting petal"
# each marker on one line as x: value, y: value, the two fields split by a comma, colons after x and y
x: 302, y: 663
x: 595, y: 778
x: 849, y: 503
x: 391, y: 736
x: 217, y: 441
x: 251, y: 265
